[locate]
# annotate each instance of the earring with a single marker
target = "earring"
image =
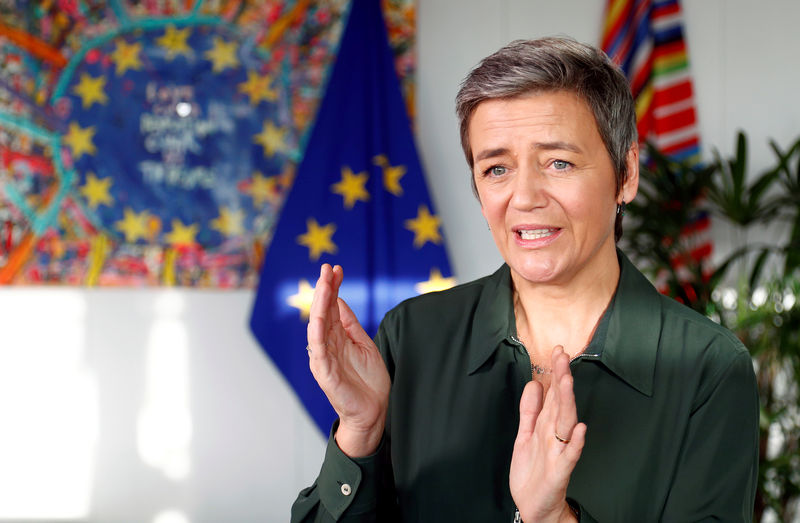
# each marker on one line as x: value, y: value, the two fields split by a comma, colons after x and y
x: 621, y: 208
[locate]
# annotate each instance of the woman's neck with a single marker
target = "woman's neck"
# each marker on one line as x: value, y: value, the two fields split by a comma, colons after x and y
x: 563, y: 314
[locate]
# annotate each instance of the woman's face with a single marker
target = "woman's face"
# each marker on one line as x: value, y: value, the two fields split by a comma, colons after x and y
x: 546, y: 184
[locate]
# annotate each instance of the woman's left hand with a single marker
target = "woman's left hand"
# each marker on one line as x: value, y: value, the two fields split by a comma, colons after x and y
x: 542, y: 463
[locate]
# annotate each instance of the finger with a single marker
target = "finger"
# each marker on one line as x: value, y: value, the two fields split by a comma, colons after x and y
x: 574, y: 448
x: 351, y: 325
x: 560, y: 366
x: 530, y: 405
x: 556, y: 363
x: 559, y: 362
x: 547, y: 419
x: 318, y: 317
x: 567, y: 412
x: 337, y: 275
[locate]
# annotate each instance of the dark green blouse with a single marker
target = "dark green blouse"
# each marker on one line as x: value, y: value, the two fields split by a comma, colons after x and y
x: 668, y: 396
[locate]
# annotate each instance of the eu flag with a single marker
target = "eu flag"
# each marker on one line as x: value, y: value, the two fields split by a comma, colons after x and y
x: 359, y: 200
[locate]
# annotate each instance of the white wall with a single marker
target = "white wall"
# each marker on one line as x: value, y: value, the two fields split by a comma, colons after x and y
x: 118, y: 405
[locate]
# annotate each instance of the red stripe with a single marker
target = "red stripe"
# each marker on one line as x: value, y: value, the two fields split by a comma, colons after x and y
x: 664, y: 10
x: 678, y: 261
x: 691, y: 294
x: 702, y: 252
x: 696, y: 255
x: 696, y: 226
x: 644, y: 125
x: 675, y: 121
x: 675, y: 93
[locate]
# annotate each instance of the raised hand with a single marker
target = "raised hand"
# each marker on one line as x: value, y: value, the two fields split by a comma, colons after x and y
x: 348, y: 367
x: 548, y: 445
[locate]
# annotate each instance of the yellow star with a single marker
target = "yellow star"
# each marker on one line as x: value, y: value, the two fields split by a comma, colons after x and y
x: 79, y: 140
x: 96, y: 191
x: 90, y: 90
x: 435, y: 283
x: 263, y: 189
x: 351, y: 187
x: 230, y: 222
x: 391, y: 175
x: 425, y: 227
x: 222, y: 55
x: 174, y: 42
x: 133, y: 225
x: 318, y: 239
x: 302, y: 300
x: 126, y: 56
x: 181, y: 234
x: 272, y: 139
x: 258, y: 88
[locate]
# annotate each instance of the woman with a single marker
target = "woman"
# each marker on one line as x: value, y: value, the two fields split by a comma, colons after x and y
x: 466, y: 406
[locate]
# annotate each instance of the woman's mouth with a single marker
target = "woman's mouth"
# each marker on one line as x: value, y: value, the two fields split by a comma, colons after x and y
x: 536, y: 234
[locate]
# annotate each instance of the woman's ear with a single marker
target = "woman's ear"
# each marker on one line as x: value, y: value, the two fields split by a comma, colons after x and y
x: 631, y: 184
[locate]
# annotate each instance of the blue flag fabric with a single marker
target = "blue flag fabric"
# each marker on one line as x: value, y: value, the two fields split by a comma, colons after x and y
x: 359, y: 200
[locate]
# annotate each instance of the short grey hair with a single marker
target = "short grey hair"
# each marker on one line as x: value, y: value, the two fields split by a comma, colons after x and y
x: 555, y: 64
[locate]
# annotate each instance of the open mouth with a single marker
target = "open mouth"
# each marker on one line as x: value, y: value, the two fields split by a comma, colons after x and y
x: 536, y: 234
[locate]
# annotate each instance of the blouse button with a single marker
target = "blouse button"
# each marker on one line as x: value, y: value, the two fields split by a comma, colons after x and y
x: 346, y: 490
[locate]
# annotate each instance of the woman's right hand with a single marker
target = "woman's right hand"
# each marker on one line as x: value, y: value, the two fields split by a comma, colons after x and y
x: 348, y: 367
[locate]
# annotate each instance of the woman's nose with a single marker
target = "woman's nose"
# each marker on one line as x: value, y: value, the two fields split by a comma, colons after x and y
x: 529, y: 189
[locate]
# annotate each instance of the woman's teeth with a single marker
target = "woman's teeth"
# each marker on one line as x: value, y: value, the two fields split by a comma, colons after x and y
x: 535, y: 234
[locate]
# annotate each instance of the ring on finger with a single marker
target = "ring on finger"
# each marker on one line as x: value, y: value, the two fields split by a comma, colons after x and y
x: 560, y: 439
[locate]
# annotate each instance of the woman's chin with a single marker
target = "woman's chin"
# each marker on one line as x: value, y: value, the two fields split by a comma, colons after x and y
x: 541, y: 272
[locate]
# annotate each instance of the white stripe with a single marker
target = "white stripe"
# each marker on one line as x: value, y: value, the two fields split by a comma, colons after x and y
x: 666, y: 110
x: 698, y: 238
x: 664, y: 22
x: 668, y: 139
x: 665, y: 81
x: 641, y: 56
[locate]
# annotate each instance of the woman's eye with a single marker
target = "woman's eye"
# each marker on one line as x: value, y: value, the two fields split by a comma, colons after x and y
x: 496, y: 170
x: 560, y: 165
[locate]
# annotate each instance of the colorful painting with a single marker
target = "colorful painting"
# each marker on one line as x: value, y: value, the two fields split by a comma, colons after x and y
x: 152, y: 142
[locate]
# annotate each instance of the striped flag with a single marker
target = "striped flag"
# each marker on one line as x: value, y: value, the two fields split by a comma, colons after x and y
x: 645, y: 38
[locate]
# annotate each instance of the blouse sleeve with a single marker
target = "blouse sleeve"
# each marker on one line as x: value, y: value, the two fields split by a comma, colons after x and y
x: 352, y: 489
x: 347, y: 489
x: 717, y: 474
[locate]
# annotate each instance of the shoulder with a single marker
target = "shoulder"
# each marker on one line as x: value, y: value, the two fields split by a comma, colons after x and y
x: 711, y: 352
x: 698, y: 331
x: 689, y: 350
x: 647, y: 313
